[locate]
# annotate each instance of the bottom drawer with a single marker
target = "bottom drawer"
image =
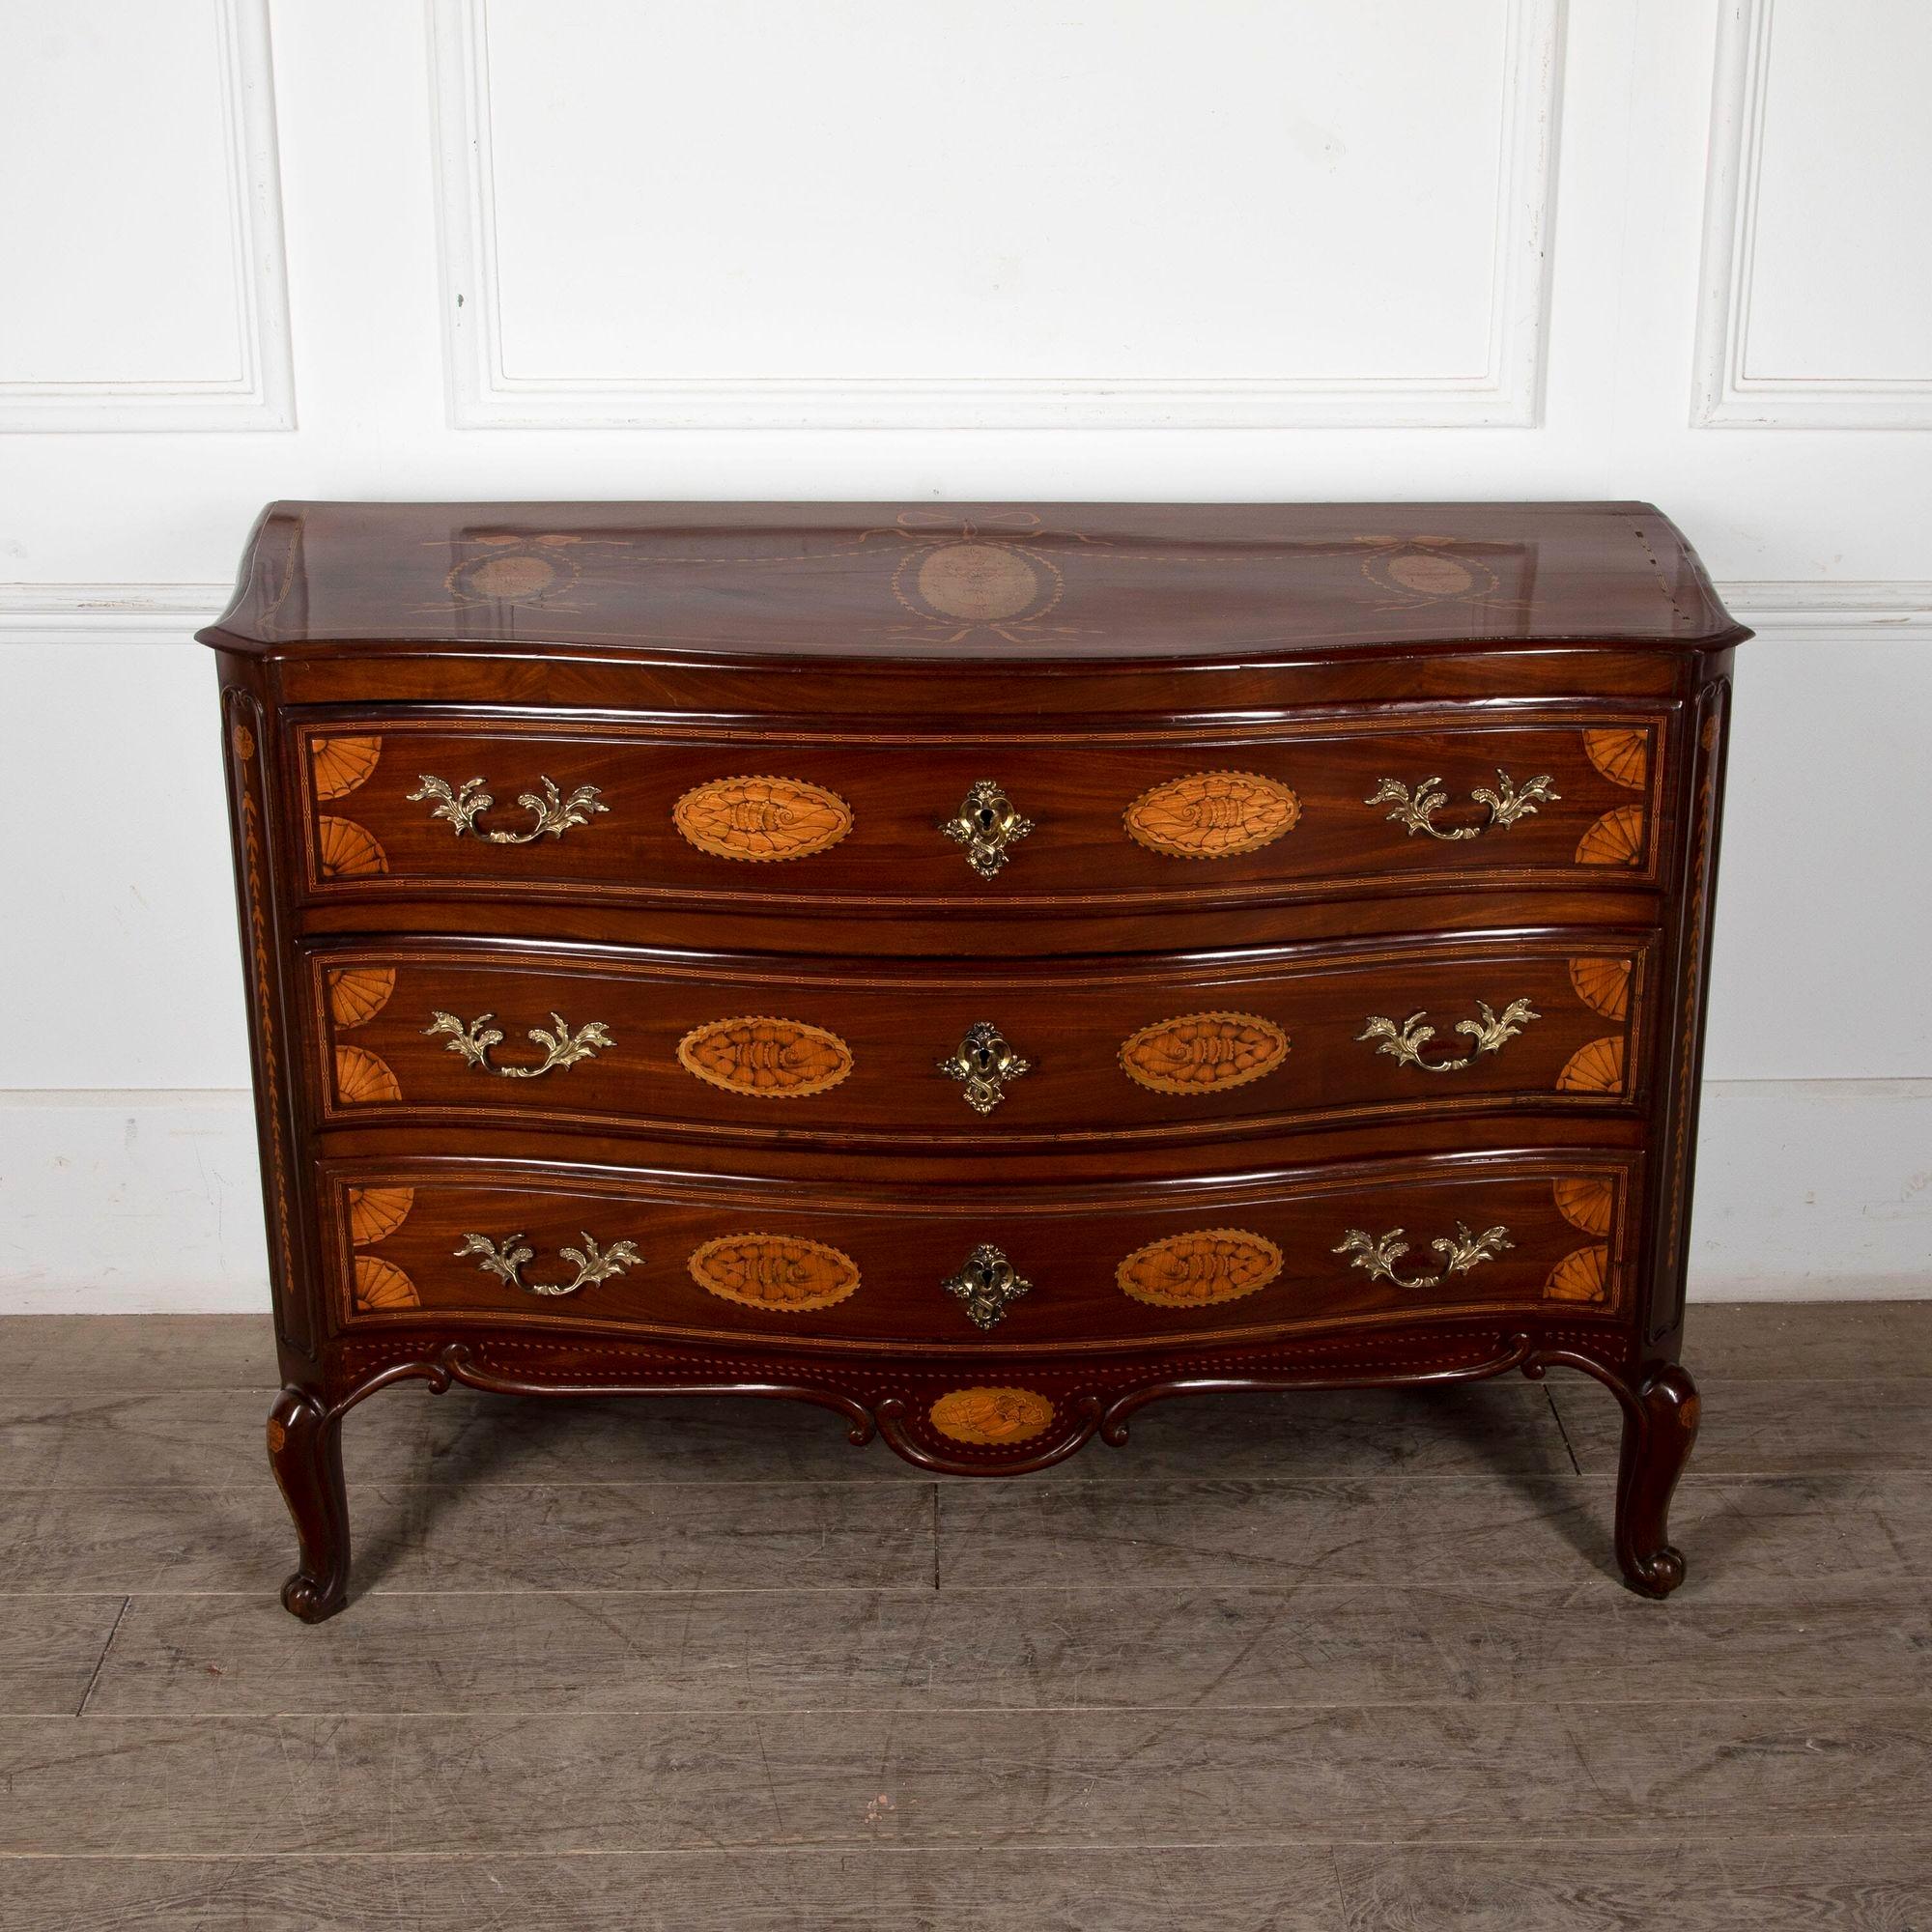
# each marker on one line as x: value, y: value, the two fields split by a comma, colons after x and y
x: 975, y: 1270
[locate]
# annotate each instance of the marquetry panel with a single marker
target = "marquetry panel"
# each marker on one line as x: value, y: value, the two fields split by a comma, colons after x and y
x: 779, y: 1272
x: 1212, y: 814
x: 346, y: 850
x: 1201, y: 1053
x: 374, y: 1214
x: 364, y: 1079
x: 1615, y: 839
x: 1588, y: 1202
x: 357, y: 994
x: 770, y: 1059
x: 761, y: 818
x: 991, y: 1417
x: 1582, y: 1276
x: 341, y: 764
x: 1602, y: 986
x: 1621, y: 755
x: 1194, y: 1269
x: 377, y: 1212
x: 1596, y: 1068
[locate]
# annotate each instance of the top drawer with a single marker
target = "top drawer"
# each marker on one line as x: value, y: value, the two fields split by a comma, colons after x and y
x: 804, y: 819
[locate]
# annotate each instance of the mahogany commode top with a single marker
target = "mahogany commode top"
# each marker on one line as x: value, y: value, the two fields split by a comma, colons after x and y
x: 979, y: 969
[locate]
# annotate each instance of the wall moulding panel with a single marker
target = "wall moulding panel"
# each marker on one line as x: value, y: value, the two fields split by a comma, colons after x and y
x: 159, y: 302
x: 684, y: 282
x: 1813, y: 302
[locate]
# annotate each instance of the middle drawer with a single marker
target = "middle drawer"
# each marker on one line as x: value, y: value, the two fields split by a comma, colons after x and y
x: 1177, y: 1048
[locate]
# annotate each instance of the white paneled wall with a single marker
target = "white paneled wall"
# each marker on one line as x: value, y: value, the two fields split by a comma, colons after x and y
x: 1171, y: 248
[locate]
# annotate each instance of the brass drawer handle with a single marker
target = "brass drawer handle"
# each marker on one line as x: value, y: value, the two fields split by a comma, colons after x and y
x: 1457, y: 1253
x: 987, y: 1284
x: 553, y: 812
x: 1416, y: 809
x: 1486, y: 1035
x: 984, y: 1059
x: 473, y: 1040
x: 986, y: 824
x: 506, y: 1261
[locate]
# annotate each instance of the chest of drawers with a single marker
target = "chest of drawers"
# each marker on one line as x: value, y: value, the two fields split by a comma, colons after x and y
x: 979, y: 969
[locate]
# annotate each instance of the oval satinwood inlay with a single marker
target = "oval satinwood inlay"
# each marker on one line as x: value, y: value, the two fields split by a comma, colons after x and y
x: 781, y: 1273
x: 1212, y: 814
x: 991, y: 1417
x: 769, y: 1059
x: 1194, y: 1269
x: 1203, y: 1053
x: 761, y: 818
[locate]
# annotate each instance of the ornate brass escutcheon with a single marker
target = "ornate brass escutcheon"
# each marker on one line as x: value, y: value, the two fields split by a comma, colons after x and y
x: 552, y: 813
x: 1457, y: 1253
x: 1486, y: 1035
x: 505, y: 1261
x: 562, y: 1047
x: 984, y: 1059
x: 986, y: 824
x: 1416, y: 810
x: 987, y: 1284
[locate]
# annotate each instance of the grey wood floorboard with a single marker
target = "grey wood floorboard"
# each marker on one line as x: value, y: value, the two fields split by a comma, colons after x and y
x: 1775, y: 1429
x: 49, y: 1650
x: 1743, y: 1536
x: 80, y: 1355
x: 1800, y: 1341
x: 420, y: 1536
x: 197, y: 1437
x: 1139, y: 1648
x: 1186, y: 1889
x: 1755, y: 1885
x: 1413, y: 1772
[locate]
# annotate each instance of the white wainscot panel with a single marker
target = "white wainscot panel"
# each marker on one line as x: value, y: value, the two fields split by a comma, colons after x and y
x: 1824, y: 917
x: 1817, y: 279
x: 141, y: 226
x: 121, y: 965
x: 860, y: 213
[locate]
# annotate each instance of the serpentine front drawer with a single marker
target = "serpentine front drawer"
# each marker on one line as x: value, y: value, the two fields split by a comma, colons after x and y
x: 394, y: 804
x: 980, y: 1270
x: 1024, y: 1051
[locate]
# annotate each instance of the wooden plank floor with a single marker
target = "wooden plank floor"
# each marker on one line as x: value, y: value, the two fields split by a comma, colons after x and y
x: 1331, y: 1661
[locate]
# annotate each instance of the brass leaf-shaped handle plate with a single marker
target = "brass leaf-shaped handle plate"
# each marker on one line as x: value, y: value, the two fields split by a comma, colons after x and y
x: 1455, y: 1254
x: 1487, y: 1033
x: 1416, y: 810
x: 564, y: 1046
x: 984, y: 1059
x: 986, y: 823
x: 551, y: 812
x: 507, y: 1259
x: 987, y: 1285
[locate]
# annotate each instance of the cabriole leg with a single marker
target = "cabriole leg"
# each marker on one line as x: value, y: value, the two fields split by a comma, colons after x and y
x: 306, y: 1453
x: 1658, y: 1431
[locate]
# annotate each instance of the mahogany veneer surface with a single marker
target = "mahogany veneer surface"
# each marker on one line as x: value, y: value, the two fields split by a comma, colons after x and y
x: 979, y: 969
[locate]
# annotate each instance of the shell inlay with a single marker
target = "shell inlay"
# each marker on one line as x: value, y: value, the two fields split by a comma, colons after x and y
x: 761, y: 818
x: 991, y: 1417
x: 1201, y: 1053
x: 1212, y: 814
x: 781, y: 1273
x: 770, y: 1058
x: 1192, y: 1270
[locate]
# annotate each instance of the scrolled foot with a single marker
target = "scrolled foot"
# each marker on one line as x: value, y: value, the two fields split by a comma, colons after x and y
x: 306, y: 1453
x: 1659, y: 1428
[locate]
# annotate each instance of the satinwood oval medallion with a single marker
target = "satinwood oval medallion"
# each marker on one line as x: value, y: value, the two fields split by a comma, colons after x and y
x: 780, y: 1273
x: 1203, y: 1053
x: 770, y: 1058
x: 991, y: 1417
x: 1195, y: 1269
x: 1212, y: 814
x: 759, y: 820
